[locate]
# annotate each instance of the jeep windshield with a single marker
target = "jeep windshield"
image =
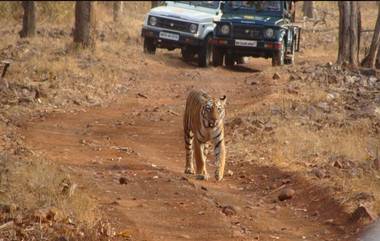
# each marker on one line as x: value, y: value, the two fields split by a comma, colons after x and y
x: 205, y: 4
x: 253, y: 6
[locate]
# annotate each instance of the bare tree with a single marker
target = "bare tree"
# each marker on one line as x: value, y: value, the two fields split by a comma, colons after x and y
x: 349, y: 32
x: 85, y: 24
x: 308, y: 8
x: 28, y: 20
x: 117, y: 10
x: 370, y: 59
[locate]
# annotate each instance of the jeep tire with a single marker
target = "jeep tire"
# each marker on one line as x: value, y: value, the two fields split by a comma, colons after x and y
x: 205, y: 53
x: 217, y: 57
x: 278, y: 58
x: 230, y: 60
x: 149, y: 47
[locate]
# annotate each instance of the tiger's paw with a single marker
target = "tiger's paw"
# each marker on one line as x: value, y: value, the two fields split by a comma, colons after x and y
x: 189, y: 170
x: 218, y: 176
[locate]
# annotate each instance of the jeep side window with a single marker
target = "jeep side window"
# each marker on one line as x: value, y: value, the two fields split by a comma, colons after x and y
x: 271, y: 5
x: 240, y: 4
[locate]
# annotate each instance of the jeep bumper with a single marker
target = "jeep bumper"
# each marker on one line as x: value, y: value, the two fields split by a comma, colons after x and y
x: 263, y: 48
x: 183, y: 40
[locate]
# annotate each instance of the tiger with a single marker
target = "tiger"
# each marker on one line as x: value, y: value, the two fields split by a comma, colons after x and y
x: 203, y: 122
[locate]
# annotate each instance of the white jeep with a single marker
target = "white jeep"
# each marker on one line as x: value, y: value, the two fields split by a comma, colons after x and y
x: 187, y: 25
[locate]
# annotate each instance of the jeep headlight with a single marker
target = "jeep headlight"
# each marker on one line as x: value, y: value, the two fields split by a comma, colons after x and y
x: 225, y: 29
x: 152, y: 21
x: 193, y: 28
x: 269, y: 33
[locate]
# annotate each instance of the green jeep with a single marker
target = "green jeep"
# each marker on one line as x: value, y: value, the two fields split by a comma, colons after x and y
x: 255, y: 29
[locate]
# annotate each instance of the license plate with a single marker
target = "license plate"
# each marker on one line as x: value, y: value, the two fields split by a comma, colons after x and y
x: 245, y: 43
x: 170, y: 36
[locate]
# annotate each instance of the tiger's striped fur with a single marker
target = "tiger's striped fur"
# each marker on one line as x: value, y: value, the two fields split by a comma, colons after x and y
x: 204, y: 122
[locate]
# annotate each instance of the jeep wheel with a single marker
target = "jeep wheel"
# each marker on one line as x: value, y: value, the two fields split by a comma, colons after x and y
x: 230, y: 60
x: 149, y: 46
x: 187, y: 53
x: 205, y: 53
x: 217, y: 57
x: 278, y: 58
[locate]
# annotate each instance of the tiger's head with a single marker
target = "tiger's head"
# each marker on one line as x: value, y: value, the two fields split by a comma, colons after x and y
x: 213, y: 112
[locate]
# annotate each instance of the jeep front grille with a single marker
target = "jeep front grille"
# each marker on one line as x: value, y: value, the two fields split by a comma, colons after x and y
x: 247, y: 32
x: 173, y: 24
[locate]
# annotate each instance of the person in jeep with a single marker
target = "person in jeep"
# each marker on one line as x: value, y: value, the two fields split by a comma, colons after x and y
x: 258, y: 5
x: 255, y: 29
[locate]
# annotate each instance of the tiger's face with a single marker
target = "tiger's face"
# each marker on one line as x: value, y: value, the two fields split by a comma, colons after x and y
x: 213, y: 112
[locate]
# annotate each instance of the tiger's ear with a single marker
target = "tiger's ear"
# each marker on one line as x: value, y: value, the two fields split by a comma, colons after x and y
x: 223, y: 99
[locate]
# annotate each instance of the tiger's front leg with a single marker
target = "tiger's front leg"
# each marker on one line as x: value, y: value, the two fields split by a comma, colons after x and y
x: 189, y: 146
x: 201, y: 173
x: 220, y: 157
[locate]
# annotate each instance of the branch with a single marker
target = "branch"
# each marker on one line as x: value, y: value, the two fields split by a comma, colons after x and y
x: 367, y: 30
x: 6, y: 65
x: 319, y: 30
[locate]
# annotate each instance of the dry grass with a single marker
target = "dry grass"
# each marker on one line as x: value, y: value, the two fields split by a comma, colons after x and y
x: 303, y: 143
x: 34, y: 186
x: 10, y: 10
x: 299, y: 149
x: 40, y: 184
x: 63, y: 76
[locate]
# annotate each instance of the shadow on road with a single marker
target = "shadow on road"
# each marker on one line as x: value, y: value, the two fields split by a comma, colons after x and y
x: 175, y: 59
x: 243, y: 69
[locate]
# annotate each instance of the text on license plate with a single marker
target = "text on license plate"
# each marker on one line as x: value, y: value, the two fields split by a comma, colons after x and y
x: 170, y: 36
x: 245, y: 43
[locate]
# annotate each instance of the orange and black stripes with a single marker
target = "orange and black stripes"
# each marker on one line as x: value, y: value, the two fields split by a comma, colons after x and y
x: 204, y: 122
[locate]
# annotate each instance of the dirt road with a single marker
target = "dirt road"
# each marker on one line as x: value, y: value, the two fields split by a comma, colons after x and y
x: 140, y: 138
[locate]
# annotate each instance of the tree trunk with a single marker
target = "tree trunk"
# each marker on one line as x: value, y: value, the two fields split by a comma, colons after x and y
x: 344, y: 11
x: 308, y: 9
x: 359, y: 31
x: 377, y: 64
x: 354, y: 46
x: 28, y: 20
x: 349, y: 32
x: 155, y: 4
x: 85, y: 24
x: 117, y: 10
x: 370, y: 59
x: 293, y: 10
